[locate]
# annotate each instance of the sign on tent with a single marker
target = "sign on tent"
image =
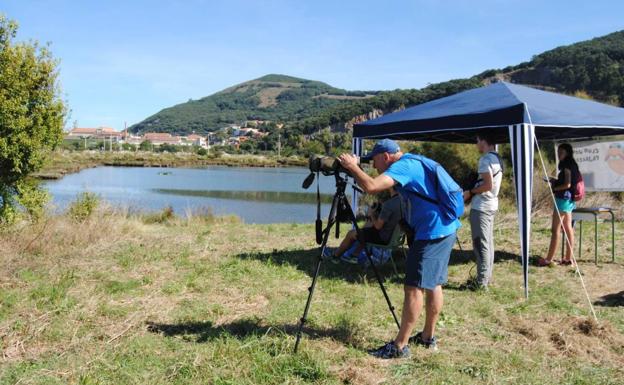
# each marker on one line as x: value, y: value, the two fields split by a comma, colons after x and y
x: 601, y: 163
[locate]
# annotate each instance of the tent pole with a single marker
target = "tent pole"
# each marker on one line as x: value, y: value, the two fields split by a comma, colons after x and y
x: 521, y: 137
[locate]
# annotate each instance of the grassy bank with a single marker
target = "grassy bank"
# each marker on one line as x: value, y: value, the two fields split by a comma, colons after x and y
x: 60, y: 163
x: 130, y: 299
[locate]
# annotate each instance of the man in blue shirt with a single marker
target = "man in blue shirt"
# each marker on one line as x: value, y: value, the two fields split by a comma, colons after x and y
x: 427, y: 261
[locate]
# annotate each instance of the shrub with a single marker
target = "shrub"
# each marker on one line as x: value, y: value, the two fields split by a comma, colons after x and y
x: 32, y: 199
x: 165, y: 215
x: 84, y: 206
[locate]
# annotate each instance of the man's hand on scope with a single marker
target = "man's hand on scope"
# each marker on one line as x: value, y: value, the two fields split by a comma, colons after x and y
x: 349, y: 161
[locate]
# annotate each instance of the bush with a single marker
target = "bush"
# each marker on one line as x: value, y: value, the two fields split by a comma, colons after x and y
x: 165, y: 215
x: 32, y: 199
x: 84, y: 206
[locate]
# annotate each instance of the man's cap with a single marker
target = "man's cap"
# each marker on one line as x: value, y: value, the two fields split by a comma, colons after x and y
x: 384, y: 145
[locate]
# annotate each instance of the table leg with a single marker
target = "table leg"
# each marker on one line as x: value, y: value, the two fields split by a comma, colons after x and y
x: 580, y: 238
x: 612, y: 236
x: 595, y: 239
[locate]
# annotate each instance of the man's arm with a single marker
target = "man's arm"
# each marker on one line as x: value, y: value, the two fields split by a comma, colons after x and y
x: 369, y: 184
x: 486, y: 186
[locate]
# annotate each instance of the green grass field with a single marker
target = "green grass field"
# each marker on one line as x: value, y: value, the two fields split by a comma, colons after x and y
x: 124, y: 299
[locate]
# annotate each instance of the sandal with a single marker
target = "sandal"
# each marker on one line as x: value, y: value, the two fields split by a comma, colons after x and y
x: 566, y: 262
x: 541, y: 262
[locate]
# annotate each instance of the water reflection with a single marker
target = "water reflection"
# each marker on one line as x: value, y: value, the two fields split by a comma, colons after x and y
x: 260, y: 196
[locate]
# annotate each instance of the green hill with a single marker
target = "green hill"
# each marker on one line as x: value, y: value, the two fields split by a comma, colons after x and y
x: 593, y: 68
x: 277, y: 98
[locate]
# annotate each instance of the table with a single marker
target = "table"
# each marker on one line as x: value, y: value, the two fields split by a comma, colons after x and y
x: 581, y: 214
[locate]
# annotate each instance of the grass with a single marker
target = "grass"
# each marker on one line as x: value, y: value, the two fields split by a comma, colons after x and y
x: 126, y: 299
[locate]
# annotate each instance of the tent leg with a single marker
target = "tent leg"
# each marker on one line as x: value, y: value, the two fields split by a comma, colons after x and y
x: 522, y: 137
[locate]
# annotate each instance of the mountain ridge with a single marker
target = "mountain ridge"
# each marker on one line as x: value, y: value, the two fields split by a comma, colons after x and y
x: 592, y: 68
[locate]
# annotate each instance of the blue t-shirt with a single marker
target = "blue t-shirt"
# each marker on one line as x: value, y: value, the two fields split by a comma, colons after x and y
x: 423, y: 216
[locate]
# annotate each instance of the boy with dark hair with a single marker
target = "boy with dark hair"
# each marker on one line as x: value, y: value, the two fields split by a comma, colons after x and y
x: 484, y: 197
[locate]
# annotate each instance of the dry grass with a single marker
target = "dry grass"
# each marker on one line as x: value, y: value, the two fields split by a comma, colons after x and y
x: 198, y: 299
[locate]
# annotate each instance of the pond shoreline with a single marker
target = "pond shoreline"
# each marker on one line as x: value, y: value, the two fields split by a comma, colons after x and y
x: 61, y: 163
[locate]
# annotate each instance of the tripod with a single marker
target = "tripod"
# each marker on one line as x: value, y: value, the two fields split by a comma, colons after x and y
x: 340, y: 204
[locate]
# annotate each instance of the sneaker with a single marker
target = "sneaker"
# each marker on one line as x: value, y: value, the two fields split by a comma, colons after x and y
x: 352, y: 259
x: 473, y: 285
x: 390, y: 350
x: 328, y: 254
x: 431, y: 343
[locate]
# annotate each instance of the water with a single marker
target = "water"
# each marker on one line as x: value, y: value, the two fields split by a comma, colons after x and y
x: 257, y: 195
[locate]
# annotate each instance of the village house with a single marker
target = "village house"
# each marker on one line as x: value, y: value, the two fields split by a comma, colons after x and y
x: 158, y: 138
x: 103, y: 133
x: 197, y: 140
x: 155, y: 138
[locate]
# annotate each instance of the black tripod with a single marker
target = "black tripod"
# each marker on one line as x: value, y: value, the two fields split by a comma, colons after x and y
x: 341, y: 205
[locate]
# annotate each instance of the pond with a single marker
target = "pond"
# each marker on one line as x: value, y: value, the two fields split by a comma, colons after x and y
x: 257, y: 195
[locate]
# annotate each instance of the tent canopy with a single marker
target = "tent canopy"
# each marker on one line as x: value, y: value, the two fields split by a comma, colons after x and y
x: 456, y: 118
x: 510, y: 112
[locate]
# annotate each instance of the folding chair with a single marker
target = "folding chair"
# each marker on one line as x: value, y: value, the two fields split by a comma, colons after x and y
x: 396, y: 241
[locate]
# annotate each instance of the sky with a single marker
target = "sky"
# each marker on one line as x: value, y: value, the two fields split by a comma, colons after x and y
x: 122, y: 61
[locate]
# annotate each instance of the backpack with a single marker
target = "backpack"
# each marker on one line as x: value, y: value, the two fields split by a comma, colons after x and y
x: 475, y: 178
x: 449, y: 195
x: 578, y: 191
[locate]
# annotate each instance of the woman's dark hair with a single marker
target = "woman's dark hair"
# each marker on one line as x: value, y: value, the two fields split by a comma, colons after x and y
x: 569, y: 153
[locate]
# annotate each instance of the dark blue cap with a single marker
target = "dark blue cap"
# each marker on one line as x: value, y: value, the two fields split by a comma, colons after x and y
x: 384, y: 145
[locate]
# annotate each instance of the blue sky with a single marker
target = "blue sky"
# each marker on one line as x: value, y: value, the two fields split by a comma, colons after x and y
x: 122, y: 61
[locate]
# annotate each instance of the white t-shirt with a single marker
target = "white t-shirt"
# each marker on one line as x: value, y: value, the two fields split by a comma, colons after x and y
x: 488, y: 201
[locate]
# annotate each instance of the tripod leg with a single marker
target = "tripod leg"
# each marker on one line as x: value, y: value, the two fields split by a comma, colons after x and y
x: 383, y: 288
x: 330, y: 223
x: 349, y: 210
x: 307, y: 306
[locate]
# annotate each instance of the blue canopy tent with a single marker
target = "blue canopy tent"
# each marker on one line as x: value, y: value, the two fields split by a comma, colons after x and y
x: 516, y: 113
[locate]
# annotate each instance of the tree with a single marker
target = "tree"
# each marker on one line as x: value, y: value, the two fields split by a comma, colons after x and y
x: 145, y: 145
x: 166, y: 147
x: 32, y: 114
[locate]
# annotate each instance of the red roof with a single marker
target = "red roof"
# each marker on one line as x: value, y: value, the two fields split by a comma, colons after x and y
x: 95, y: 131
x: 83, y: 131
x: 157, y: 136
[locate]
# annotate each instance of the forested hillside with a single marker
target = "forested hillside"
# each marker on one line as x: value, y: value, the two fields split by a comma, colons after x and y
x: 593, y: 68
x: 275, y: 98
